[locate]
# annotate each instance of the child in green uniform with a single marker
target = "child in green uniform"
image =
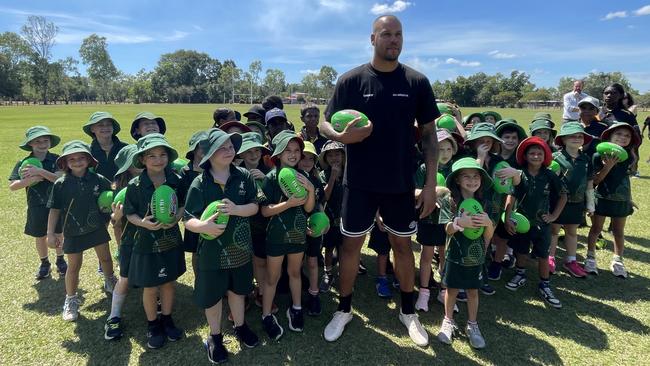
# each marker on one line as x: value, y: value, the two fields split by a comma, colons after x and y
x: 533, y: 197
x: 251, y: 152
x: 576, y: 172
x: 224, y: 265
x: 157, y: 259
x: 38, y: 182
x: 544, y: 129
x: 286, y: 232
x: 308, y: 164
x: 492, y: 117
x: 125, y: 172
x: 74, y: 200
x: 431, y: 233
x: 103, y: 128
x: 332, y: 162
x: 464, y: 256
x: 146, y: 123
x: 188, y: 173
x: 613, y: 196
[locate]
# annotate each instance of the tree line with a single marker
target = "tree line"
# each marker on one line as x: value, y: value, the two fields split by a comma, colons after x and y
x: 28, y: 73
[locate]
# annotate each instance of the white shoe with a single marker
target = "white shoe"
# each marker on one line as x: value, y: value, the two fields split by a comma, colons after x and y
x: 71, y: 309
x: 422, y: 303
x: 441, y: 299
x: 336, y: 326
x: 447, y: 329
x: 476, y: 339
x: 618, y: 269
x: 590, y: 266
x: 418, y: 335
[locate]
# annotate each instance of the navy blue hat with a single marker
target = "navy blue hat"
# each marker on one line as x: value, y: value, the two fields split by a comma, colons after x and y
x: 273, y: 113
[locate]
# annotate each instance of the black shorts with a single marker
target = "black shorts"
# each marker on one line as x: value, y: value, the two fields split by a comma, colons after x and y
x: 360, y: 206
x: 501, y: 231
x: 313, y: 246
x: 333, y: 238
x: 379, y: 241
x: 538, y: 236
x: 430, y: 235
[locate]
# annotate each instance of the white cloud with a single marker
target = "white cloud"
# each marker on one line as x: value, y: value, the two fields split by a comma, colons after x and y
x: 176, y: 36
x: 454, y: 61
x: 642, y: 11
x: 425, y: 66
x: 396, y: 7
x: 336, y: 5
x: 615, y: 14
x: 309, y: 71
x: 501, y: 55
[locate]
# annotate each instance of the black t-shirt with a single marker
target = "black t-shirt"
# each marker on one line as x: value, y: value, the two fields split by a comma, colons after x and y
x: 385, y: 161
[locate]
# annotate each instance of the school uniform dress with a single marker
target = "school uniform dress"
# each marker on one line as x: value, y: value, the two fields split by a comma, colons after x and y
x: 430, y: 231
x: 314, y: 244
x: 574, y: 173
x: 333, y: 206
x: 37, y: 197
x: 190, y: 239
x: 534, y: 195
x: 258, y: 222
x: 157, y: 256
x: 126, y: 246
x: 106, y: 162
x: 286, y: 232
x: 614, y: 193
x: 224, y: 263
x: 84, y: 225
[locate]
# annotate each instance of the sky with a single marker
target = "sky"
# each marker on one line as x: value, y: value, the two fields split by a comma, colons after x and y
x: 442, y: 39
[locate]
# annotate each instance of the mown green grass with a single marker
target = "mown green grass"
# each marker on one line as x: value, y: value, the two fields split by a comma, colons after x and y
x: 604, y: 321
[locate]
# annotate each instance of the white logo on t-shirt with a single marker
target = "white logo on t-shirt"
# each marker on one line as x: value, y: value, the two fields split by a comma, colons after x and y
x: 402, y: 95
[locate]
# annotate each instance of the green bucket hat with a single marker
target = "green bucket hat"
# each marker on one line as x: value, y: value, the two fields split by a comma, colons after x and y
x: 251, y: 140
x: 147, y: 115
x: 497, y: 116
x: 36, y: 132
x: 73, y: 147
x: 570, y: 128
x: 98, y: 117
x: 504, y: 124
x: 149, y: 142
x: 260, y: 126
x: 281, y: 140
x: 540, y: 124
x: 216, y: 138
x: 195, y: 141
x: 124, y: 158
x: 635, y: 141
x: 468, y: 163
x: 483, y: 129
x: 543, y: 115
x: 467, y: 118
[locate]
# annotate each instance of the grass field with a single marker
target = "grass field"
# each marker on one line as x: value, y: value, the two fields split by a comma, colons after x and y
x: 604, y: 321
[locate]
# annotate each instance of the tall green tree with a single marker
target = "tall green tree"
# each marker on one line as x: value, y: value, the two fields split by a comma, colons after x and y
x: 39, y: 35
x: 101, y: 70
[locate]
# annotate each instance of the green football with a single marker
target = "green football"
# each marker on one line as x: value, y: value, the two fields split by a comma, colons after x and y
x: 179, y: 164
x: 609, y: 148
x: 222, y: 219
x: 318, y: 222
x: 444, y: 108
x: 119, y: 197
x: 472, y: 207
x: 164, y: 204
x: 441, y: 181
x: 555, y: 166
x: 502, y: 185
x: 29, y: 162
x: 522, y: 225
x: 341, y: 119
x: 289, y: 183
x: 446, y: 121
x: 104, y: 201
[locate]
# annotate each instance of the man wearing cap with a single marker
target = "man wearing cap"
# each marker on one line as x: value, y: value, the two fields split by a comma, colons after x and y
x: 589, y: 108
x: 380, y: 165
x: 571, y: 99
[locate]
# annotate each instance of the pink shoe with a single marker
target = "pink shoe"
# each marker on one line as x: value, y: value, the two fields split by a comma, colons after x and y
x: 551, y: 265
x: 574, y: 269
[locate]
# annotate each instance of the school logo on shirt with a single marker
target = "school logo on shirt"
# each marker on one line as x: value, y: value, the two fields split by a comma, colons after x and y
x: 162, y: 273
x: 401, y: 95
x: 242, y: 190
x: 96, y: 189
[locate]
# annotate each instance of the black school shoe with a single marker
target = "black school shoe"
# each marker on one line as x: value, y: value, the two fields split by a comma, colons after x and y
x: 61, y: 266
x: 313, y: 305
x: 296, y: 319
x: 246, y: 336
x: 44, y: 270
x: 272, y: 328
x: 155, y: 335
x: 217, y: 353
x: 113, y: 329
x: 171, y: 331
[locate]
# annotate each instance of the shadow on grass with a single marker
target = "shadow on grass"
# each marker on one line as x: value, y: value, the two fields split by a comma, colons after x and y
x: 51, y: 296
x: 89, y: 334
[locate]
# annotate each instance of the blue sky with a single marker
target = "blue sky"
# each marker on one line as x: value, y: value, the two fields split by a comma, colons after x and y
x: 443, y: 39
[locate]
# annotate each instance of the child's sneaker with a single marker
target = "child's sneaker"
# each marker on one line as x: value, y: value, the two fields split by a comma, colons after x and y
x: 422, y: 303
x: 462, y: 296
x: 395, y: 283
x: 271, y: 327
x: 590, y: 266
x: 618, y: 268
x: 551, y: 265
x: 383, y: 288
x: 516, y: 282
x: 44, y: 270
x: 494, y: 271
x: 574, y: 269
x: 246, y: 336
x: 313, y: 305
x: 61, y: 266
x: 417, y: 333
x: 548, y: 296
x: 113, y: 328
x: 441, y: 299
x: 447, y: 330
x: 509, y: 261
x: 217, y: 353
x: 326, y: 282
x: 476, y: 339
x: 172, y: 332
x: 109, y: 284
x: 362, y: 268
x: 296, y: 319
x: 487, y: 289
x: 71, y: 308
x: 155, y: 335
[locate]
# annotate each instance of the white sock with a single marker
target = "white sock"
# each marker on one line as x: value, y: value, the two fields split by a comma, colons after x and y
x: 570, y: 258
x: 296, y: 307
x: 116, y: 304
x: 509, y: 251
x: 70, y: 296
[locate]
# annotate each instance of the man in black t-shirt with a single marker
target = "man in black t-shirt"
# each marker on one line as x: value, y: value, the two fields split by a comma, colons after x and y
x: 381, y: 164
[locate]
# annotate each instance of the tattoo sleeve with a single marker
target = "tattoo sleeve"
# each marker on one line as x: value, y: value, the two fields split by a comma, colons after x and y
x: 430, y: 147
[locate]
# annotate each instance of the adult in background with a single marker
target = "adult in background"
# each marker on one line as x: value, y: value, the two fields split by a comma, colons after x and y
x: 272, y: 101
x: 380, y: 165
x: 571, y: 100
x: 614, y: 110
x: 310, y: 116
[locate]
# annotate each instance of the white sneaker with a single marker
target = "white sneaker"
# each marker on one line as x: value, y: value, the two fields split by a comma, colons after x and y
x: 618, y: 269
x: 422, y: 303
x: 447, y: 329
x: 590, y: 266
x: 476, y: 339
x: 71, y: 309
x: 441, y: 299
x: 335, y: 327
x: 418, y: 335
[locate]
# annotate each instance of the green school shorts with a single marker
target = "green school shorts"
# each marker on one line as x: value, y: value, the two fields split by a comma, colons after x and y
x: 78, y: 244
x: 211, y: 286
x: 155, y: 269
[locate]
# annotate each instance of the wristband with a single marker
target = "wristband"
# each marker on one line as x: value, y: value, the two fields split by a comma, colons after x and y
x: 455, y: 225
